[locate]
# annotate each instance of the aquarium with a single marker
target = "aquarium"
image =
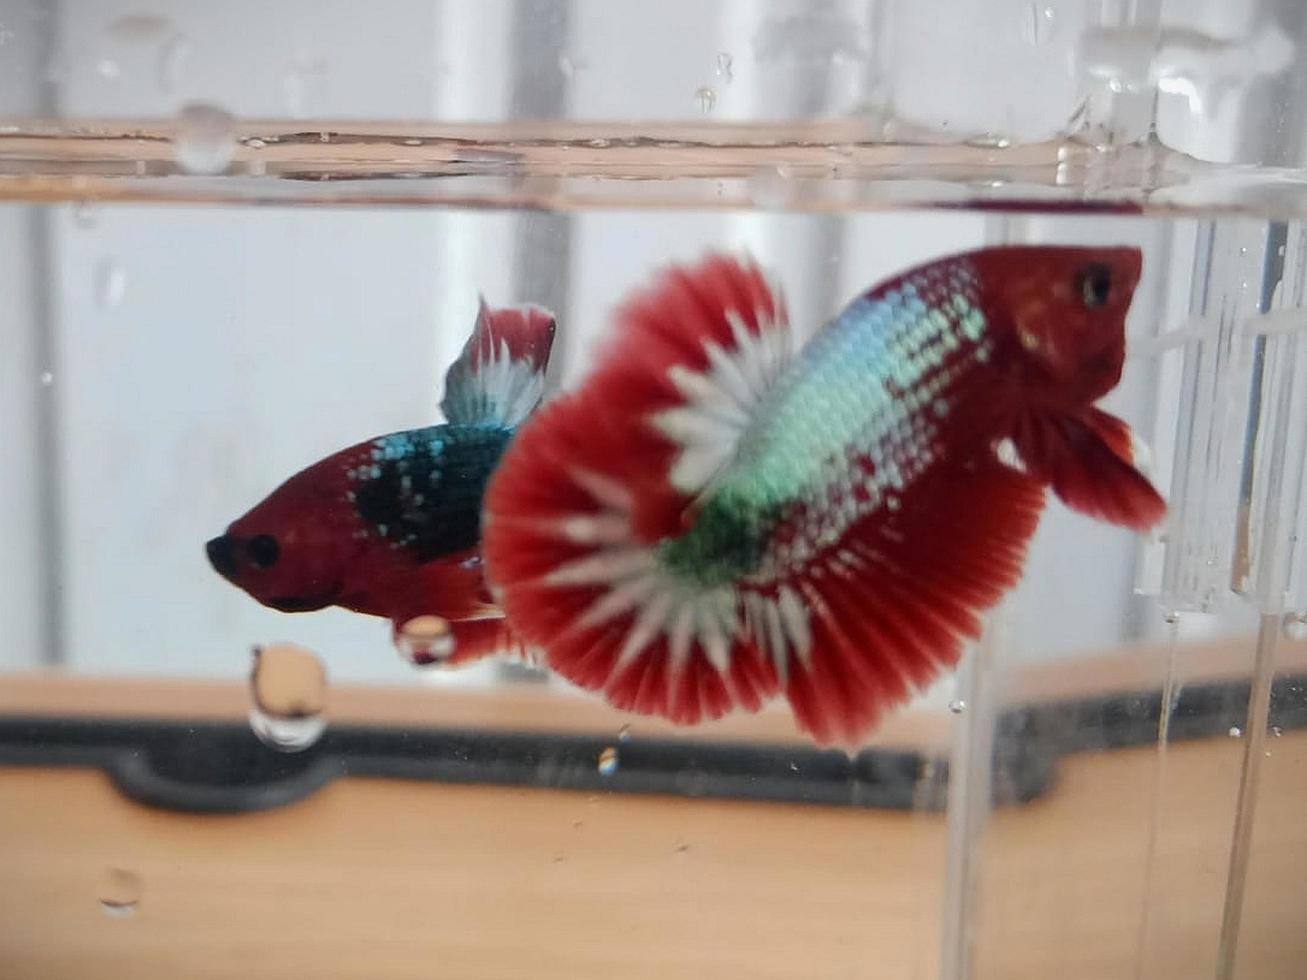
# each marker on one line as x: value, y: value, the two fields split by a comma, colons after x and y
x: 240, y: 238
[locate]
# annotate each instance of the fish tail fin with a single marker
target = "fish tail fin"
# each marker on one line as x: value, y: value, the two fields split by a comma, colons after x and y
x: 499, y: 378
x: 586, y: 491
x: 1088, y: 460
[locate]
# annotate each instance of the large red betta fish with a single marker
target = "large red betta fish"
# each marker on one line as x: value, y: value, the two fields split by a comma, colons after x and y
x: 713, y: 519
x: 392, y: 526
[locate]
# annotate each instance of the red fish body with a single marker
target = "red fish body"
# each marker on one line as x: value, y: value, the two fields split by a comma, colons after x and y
x: 391, y: 527
x: 714, y: 518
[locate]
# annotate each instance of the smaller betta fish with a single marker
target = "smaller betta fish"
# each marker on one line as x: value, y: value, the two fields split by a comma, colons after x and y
x: 392, y: 526
x: 715, y: 518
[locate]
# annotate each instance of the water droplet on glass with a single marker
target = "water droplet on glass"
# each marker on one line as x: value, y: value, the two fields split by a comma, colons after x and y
x: 957, y: 706
x: 707, y: 98
x: 624, y: 733
x: 1276, y: 731
x: 110, y: 283
x: 1235, y: 731
x: 205, y: 138
x: 47, y: 378
x: 1171, y: 618
x: 425, y: 641
x: 1295, y: 626
x: 120, y: 892
x: 608, y: 761
x: 725, y: 66
x: 84, y: 214
x: 107, y: 68
x: 288, y: 694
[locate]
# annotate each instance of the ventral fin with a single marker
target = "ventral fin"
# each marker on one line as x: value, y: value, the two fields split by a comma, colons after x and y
x: 1088, y: 461
x: 500, y: 376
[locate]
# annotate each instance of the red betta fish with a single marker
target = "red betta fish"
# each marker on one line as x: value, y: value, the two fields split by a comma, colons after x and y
x: 391, y: 527
x: 713, y: 518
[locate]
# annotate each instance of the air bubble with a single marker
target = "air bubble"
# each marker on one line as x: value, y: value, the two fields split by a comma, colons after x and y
x: 1276, y: 731
x: 425, y: 641
x: 1235, y: 731
x: 1294, y: 626
x: 205, y: 139
x: 957, y: 706
x: 707, y: 98
x: 608, y: 761
x: 110, y: 283
x: 624, y: 733
x: 120, y: 893
x: 47, y: 378
x: 288, y: 693
x: 725, y: 66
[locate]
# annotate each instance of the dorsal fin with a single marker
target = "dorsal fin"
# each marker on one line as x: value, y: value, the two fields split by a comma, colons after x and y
x: 500, y: 376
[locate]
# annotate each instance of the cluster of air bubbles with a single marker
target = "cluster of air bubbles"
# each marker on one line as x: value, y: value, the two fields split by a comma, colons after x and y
x: 120, y: 893
x: 425, y: 641
x: 608, y: 761
x: 288, y: 695
x: 205, y: 138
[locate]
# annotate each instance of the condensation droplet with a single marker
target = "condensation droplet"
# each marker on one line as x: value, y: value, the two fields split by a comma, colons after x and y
x: 608, y: 761
x: 1235, y: 731
x: 288, y: 694
x: 1171, y: 618
x: 425, y: 641
x: 120, y: 892
x: 1294, y: 626
x: 47, y: 378
x: 707, y: 98
x: 110, y: 283
x: 957, y: 706
x: 725, y: 66
x: 84, y: 214
x: 624, y: 733
x: 205, y: 138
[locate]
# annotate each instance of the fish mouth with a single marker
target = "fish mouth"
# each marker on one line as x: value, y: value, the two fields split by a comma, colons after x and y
x: 299, y: 603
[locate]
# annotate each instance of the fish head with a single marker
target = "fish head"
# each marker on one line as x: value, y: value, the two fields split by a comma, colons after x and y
x: 290, y: 552
x: 1066, y: 307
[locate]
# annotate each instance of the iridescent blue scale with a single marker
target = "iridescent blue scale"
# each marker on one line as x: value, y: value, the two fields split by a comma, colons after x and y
x: 850, y: 425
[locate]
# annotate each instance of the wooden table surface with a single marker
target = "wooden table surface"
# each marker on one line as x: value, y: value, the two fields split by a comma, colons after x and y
x: 375, y: 879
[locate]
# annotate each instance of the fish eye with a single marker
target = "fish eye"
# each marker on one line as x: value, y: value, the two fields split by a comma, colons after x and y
x: 1095, y: 284
x: 263, y: 550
